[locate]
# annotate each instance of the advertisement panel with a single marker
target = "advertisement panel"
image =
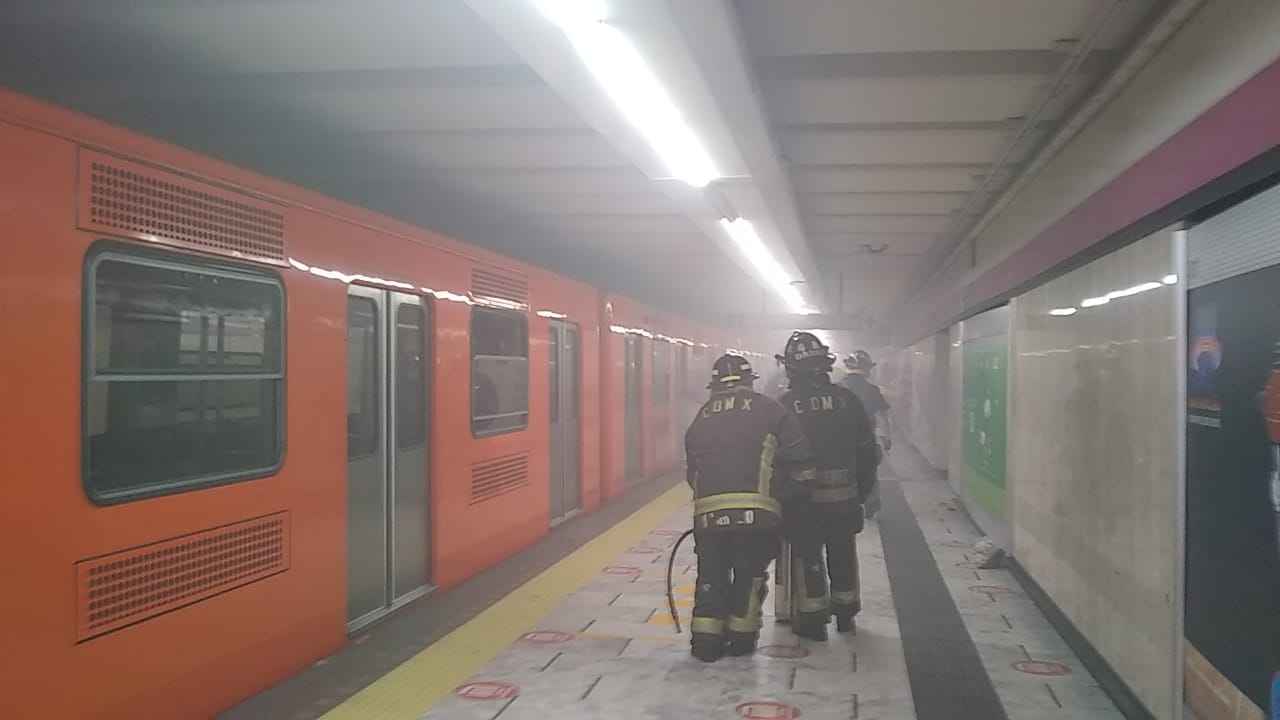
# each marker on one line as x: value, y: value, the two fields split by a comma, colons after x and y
x: 1233, y: 478
x: 985, y: 386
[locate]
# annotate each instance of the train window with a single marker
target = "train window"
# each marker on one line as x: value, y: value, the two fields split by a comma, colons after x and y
x: 184, y: 375
x: 363, y: 406
x: 661, y: 372
x: 575, y: 368
x: 411, y: 377
x: 499, y: 372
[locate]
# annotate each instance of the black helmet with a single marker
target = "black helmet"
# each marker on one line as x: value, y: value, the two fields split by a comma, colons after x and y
x: 860, y: 360
x: 804, y: 351
x: 730, y: 370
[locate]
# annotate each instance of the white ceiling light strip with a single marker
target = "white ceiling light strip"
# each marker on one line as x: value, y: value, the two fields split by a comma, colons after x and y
x: 632, y: 86
x: 748, y: 241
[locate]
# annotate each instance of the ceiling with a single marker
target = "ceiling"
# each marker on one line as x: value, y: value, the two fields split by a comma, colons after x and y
x: 861, y: 137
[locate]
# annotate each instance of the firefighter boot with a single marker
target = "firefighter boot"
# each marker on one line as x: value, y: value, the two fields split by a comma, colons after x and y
x: 707, y: 648
x: 811, y: 628
x: 741, y: 643
x: 845, y: 623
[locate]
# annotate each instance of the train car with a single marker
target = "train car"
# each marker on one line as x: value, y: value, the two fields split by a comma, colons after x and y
x: 243, y: 421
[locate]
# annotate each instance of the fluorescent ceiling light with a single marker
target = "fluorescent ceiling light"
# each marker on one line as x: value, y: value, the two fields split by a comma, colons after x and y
x: 632, y: 86
x: 744, y: 234
x: 1094, y: 302
x: 1170, y: 280
x: 1063, y: 312
x: 1129, y: 292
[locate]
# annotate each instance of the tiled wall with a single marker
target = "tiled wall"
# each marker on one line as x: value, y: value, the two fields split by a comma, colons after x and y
x: 916, y: 381
x: 1093, y: 457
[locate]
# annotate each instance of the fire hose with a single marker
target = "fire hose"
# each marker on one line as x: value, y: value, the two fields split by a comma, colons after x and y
x: 671, y: 563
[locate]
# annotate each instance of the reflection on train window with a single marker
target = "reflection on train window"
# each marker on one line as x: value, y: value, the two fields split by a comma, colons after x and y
x: 184, y: 382
x: 575, y: 367
x: 363, y: 407
x: 499, y: 372
x: 411, y: 377
x: 661, y: 372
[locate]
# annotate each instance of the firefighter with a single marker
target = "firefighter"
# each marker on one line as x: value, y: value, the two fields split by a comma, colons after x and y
x: 830, y: 516
x: 744, y: 452
x: 859, y: 366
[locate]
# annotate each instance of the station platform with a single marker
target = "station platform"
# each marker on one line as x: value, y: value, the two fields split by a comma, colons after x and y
x: 578, y: 627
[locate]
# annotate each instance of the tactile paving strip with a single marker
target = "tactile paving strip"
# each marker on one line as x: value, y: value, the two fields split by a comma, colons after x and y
x: 948, y: 680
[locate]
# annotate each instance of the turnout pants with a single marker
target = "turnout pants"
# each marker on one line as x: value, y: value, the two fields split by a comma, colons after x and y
x: 829, y: 529
x: 731, y: 581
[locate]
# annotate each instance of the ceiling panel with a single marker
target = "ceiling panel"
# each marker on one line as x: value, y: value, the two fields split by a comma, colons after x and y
x: 878, y: 223
x: 363, y: 109
x: 881, y: 203
x: 801, y: 27
x: 886, y: 266
x: 886, y: 178
x: 620, y: 228
x: 293, y: 36
x: 594, y: 182
x: 916, y: 99
x: 894, y: 243
x: 892, y: 147
x: 506, y: 150
x: 571, y: 204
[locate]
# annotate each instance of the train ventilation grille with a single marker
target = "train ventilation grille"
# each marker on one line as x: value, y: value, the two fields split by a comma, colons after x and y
x: 124, y: 588
x: 492, y: 478
x: 503, y: 287
x: 124, y: 198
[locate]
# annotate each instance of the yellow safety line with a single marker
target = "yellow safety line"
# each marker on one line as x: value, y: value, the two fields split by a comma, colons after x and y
x: 426, y: 678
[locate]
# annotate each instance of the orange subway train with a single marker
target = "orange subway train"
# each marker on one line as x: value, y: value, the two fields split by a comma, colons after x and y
x: 243, y: 421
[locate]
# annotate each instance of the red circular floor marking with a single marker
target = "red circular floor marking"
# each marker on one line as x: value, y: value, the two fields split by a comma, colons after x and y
x: 1041, y: 667
x: 487, y: 691
x: 644, y: 550
x: 786, y: 652
x: 622, y: 570
x: 989, y: 589
x: 768, y: 711
x: 546, y: 637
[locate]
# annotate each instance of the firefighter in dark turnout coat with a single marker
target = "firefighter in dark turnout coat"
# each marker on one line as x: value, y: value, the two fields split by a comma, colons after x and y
x: 830, y: 516
x: 744, y: 452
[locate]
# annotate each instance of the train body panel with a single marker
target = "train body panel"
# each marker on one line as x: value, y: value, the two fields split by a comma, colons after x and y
x: 184, y: 599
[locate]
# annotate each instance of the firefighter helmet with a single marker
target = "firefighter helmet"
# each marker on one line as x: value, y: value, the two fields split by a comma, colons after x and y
x: 805, y: 351
x: 860, y: 360
x: 731, y: 370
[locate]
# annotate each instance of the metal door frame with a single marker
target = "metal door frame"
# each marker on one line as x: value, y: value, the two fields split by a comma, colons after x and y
x: 566, y: 372
x: 387, y: 303
x: 394, y: 301
x: 633, y: 371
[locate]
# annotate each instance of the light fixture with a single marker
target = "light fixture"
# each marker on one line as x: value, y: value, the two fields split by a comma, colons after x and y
x: 744, y: 234
x: 1169, y: 280
x: 1129, y: 292
x: 1063, y: 312
x: 627, y: 79
x: 1094, y: 301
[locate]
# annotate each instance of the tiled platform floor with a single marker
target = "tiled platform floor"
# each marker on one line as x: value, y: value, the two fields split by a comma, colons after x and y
x: 610, y: 650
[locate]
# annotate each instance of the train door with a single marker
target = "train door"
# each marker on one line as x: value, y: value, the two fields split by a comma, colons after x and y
x: 632, y: 369
x: 387, y: 464
x: 566, y: 423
